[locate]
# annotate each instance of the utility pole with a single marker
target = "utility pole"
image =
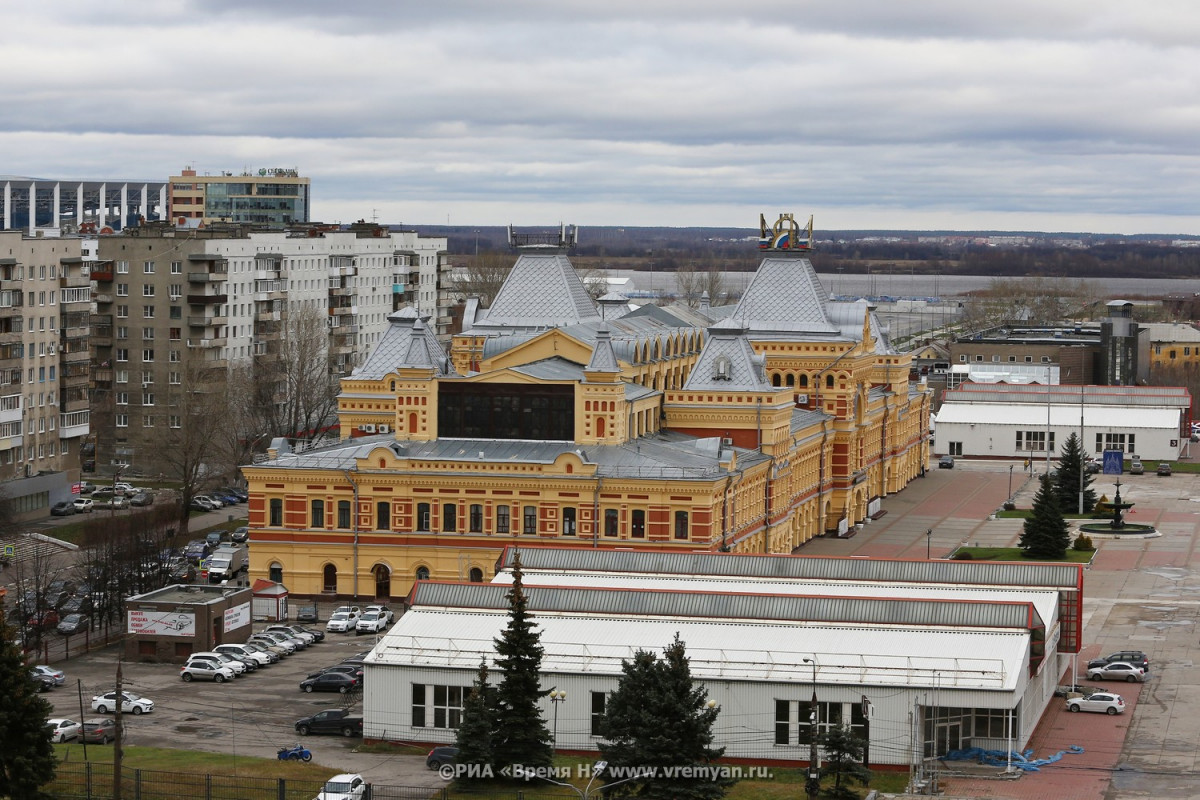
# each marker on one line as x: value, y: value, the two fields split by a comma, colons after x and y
x: 119, y: 740
x: 813, y: 783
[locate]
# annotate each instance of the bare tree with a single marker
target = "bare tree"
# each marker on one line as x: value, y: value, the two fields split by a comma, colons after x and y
x: 482, y: 276
x: 595, y: 280
x: 189, y: 443
x: 694, y: 283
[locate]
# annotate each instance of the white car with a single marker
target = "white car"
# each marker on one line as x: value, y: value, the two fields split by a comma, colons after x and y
x: 63, y: 729
x: 131, y: 704
x: 384, y: 610
x: 370, y: 622
x: 354, y: 611
x: 346, y: 786
x: 220, y: 660
x: 340, y: 622
x: 259, y: 656
x: 198, y: 669
x: 268, y: 640
x: 124, y: 489
x: 1102, y: 702
x: 83, y: 505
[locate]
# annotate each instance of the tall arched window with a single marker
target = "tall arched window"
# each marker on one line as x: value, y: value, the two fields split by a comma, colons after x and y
x: 329, y: 579
x: 275, y: 572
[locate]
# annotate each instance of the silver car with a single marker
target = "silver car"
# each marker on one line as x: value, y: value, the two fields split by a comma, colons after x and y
x: 1117, y: 671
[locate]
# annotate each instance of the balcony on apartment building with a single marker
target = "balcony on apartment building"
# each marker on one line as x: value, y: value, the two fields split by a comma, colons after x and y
x: 102, y: 272
x: 207, y: 320
x: 207, y: 299
x: 342, y: 287
x: 10, y: 435
x: 11, y: 355
x: 70, y: 295
x: 270, y: 311
x: 268, y: 331
x: 269, y: 266
x: 342, y: 266
x: 10, y: 407
x: 207, y: 268
x: 74, y: 349
x: 102, y: 377
x: 72, y: 424
x: 268, y: 290
x: 75, y: 375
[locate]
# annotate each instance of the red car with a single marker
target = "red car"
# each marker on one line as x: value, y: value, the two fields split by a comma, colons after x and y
x: 47, y: 620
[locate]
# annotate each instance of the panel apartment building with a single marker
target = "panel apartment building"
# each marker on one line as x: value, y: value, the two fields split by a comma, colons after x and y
x: 45, y: 298
x: 172, y: 300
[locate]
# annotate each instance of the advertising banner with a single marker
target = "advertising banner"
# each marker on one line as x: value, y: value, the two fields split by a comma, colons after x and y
x: 237, y: 617
x: 162, y: 623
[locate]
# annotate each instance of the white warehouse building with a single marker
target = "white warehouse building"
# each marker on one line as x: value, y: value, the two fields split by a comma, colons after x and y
x: 1017, y: 421
x: 919, y: 657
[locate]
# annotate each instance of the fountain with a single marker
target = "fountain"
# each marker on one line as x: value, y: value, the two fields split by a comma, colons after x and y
x: 1117, y: 525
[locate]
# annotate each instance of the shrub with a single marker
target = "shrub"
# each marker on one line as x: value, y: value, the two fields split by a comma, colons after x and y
x: 963, y: 555
x: 1083, y: 543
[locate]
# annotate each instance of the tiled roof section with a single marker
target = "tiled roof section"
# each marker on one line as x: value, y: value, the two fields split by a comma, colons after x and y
x: 603, y: 357
x: 728, y: 363
x: 848, y: 316
x: 665, y: 454
x: 786, y: 296
x: 541, y: 291
x: 405, y: 343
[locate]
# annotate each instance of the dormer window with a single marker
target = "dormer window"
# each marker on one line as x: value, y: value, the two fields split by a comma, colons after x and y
x: 722, y: 368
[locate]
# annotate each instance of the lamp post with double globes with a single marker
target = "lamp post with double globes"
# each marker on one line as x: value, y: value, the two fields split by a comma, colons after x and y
x: 557, y: 696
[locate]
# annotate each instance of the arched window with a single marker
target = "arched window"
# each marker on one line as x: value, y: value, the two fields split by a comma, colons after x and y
x: 412, y: 422
x: 393, y: 385
x: 776, y: 380
x: 329, y: 580
x: 803, y: 380
x: 275, y: 572
x: 476, y: 575
x: 829, y: 381
x: 422, y: 573
x: 791, y: 379
x: 600, y: 425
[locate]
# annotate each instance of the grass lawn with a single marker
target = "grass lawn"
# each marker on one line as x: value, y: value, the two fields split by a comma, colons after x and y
x: 1014, y: 554
x: 195, y: 762
x: 1026, y: 513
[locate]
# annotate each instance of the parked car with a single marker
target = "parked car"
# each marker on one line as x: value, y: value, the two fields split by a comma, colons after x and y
x: 239, y: 494
x: 272, y: 656
x: 43, y: 620
x: 44, y: 683
x: 440, y: 756
x: 281, y: 636
x: 370, y: 622
x: 196, y: 551
x: 221, y: 660
x: 946, y: 462
x: 64, y: 509
x: 83, y: 505
x: 1092, y: 467
x: 197, y: 669
x: 339, y: 622
x: 130, y: 703
x: 76, y: 604
x: 1164, y: 468
x: 288, y: 644
x: 112, y: 501
x: 384, y: 610
x: 1135, y: 657
x: 307, y: 612
x: 316, y: 632
x: 270, y: 645
x: 74, y: 623
x: 353, y: 611
x: 1102, y: 702
x: 216, y: 538
x: 61, y: 730
x: 353, y: 670
x: 58, y: 675
x: 1136, y: 467
x: 240, y: 536
x: 183, y: 573
x: 142, y: 499
x: 357, y: 659
x: 330, y: 721
x: 1117, y: 671
x: 86, y: 487
x: 243, y: 653
x: 99, y: 730
x: 201, y: 504
x: 344, y: 787
x: 330, y: 682
x: 124, y: 489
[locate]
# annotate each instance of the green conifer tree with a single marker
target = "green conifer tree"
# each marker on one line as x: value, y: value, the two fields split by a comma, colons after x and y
x: 1066, y: 481
x: 1045, y: 535
x: 843, y: 760
x: 659, y: 718
x: 27, y: 760
x: 521, y: 737
x: 478, y: 724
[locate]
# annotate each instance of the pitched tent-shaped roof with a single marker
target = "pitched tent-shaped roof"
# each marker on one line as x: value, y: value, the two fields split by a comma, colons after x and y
x: 405, y: 343
x: 541, y: 291
x: 785, y: 296
x: 728, y: 363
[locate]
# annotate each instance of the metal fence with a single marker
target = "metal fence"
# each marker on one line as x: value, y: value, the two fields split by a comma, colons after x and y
x: 94, y: 781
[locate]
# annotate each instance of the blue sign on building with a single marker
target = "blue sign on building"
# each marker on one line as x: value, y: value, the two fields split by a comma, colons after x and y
x: 1114, y: 462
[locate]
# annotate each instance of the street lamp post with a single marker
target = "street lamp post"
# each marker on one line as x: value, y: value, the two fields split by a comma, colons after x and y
x: 557, y: 697
x: 813, y: 784
x: 929, y: 541
x: 586, y: 792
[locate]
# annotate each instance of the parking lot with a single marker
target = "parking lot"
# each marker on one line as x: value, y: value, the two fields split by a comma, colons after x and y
x: 253, y: 715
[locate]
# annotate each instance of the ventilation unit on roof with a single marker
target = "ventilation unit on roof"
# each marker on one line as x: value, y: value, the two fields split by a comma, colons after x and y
x: 385, y: 429
x: 367, y: 428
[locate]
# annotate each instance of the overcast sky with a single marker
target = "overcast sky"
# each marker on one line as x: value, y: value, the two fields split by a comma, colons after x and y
x: 1052, y: 115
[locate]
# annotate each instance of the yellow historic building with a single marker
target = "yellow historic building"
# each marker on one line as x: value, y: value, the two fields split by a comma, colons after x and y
x: 555, y: 419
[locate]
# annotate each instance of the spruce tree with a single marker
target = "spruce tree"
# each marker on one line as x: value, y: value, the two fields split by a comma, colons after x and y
x: 478, y: 723
x: 27, y: 760
x: 1066, y: 482
x: 843, y: 760
x: 1045, y: 535
x: 521, y: 737
x: 658, y: 718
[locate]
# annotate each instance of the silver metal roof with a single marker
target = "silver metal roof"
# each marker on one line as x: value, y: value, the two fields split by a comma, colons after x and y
x: 966, y: 573
x: 785, y: 295
x: 1172, y: 396
x: 541, y: 291
x: 734, y: 606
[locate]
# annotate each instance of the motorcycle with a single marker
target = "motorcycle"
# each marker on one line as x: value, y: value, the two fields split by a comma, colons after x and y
x: 294, y: 753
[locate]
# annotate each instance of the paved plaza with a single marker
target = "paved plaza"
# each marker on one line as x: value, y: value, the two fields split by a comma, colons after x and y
x: 1139, y: 593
